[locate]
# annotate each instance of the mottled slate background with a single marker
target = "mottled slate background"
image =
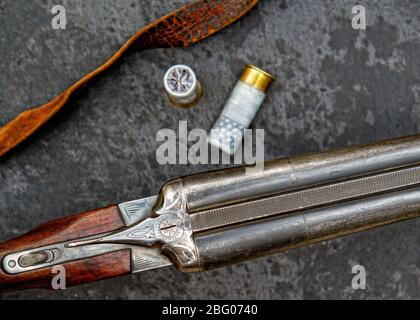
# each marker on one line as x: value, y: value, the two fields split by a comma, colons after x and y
x: 335, y: 87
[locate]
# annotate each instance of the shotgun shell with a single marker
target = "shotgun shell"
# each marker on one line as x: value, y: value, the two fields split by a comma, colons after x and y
x: 241, y: 108
x: 182, y: 86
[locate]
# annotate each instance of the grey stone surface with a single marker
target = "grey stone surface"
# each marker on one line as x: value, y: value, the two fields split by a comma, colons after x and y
x: 336, y: 87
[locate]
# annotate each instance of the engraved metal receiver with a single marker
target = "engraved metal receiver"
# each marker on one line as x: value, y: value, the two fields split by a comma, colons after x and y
x: 143, y: 258
x: 213, y: 219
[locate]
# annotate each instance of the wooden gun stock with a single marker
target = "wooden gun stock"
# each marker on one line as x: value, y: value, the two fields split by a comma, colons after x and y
x: 65, y: 229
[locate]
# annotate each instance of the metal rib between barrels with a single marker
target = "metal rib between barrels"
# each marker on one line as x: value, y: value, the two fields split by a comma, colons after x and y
x: 306, y: 199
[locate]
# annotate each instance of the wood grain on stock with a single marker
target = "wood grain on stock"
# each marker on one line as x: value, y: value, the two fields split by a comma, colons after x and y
x: 65, y: 229
x: 181, y: 28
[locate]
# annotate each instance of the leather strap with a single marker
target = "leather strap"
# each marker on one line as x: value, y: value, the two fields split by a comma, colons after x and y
x: 184, y: 27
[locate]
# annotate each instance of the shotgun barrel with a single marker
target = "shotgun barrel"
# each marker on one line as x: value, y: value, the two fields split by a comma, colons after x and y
x: 213, y: 219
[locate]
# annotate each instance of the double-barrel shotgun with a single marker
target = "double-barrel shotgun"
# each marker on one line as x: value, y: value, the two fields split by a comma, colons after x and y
x: 213, y: 219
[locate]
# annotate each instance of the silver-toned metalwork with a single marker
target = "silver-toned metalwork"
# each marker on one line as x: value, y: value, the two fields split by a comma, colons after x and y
x: 170, y: 227
x: 213, y: 219
x: 34, y: 258
x: 137, y: 210
x: 57, y: 253
x: 234, y: 185
x: 143, y: 258
x: 305, y: 199
x: 290, y: 231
